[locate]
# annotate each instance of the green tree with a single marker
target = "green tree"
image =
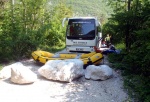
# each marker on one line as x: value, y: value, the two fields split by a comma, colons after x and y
x: 54, y: 33
x: 28, y: 25
x: 132, y: 26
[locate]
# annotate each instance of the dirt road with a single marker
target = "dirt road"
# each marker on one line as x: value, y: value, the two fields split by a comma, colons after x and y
x: 80, y: 90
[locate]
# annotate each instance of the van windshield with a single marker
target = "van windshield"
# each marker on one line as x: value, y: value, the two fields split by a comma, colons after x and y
x: 81, y: 29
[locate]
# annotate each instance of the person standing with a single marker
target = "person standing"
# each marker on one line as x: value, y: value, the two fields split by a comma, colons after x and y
x: 107, y: 40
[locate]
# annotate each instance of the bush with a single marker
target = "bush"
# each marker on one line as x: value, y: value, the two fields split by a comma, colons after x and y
x: 136, y: 77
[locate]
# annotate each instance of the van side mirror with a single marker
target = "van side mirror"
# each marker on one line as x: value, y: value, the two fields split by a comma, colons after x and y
x: 64, y: 21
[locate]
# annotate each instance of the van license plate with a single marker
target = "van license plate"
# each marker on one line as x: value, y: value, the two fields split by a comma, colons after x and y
x: 79, y: 49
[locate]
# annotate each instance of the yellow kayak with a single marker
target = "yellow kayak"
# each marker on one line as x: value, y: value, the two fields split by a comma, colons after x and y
x: 87, y: 58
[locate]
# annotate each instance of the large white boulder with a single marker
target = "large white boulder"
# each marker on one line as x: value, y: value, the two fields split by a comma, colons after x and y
x: 6, y: 71
x: 21, y: 74
x: 62, y: 70
x: 101, y: 72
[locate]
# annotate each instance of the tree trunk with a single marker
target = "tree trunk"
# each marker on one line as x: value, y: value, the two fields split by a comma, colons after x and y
x: 128, y: 29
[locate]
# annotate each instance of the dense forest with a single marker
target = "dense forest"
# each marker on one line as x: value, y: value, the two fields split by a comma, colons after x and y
x: 28, y: 25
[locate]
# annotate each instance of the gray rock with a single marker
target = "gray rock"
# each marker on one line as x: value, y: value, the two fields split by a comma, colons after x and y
x: 101, y: 72
x: 6, y: 71
x: 21, y: 74
x: 62, y: 70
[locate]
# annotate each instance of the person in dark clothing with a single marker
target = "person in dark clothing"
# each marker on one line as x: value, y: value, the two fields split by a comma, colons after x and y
x: 107, y: 40
x: 111, y: 49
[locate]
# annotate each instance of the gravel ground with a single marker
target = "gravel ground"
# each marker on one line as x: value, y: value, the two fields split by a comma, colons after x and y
x: 80, y: 90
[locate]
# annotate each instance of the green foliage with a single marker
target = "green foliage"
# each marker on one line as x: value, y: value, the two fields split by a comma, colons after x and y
x: 134, y: 62
x: 54, y: 32
x: 136, y: 77
x: 28, y: 25
x: 135, y: 66
x: 116, y: 60
x: 120, y: 46
x: 95, y: 8
x: 18, y: 28
x: 140, y: 86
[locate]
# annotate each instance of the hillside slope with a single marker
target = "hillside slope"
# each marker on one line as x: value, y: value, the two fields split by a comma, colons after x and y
x: 97, y: 8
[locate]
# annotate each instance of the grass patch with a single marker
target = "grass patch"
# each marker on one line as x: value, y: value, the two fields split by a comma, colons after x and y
x: 120, y: 46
